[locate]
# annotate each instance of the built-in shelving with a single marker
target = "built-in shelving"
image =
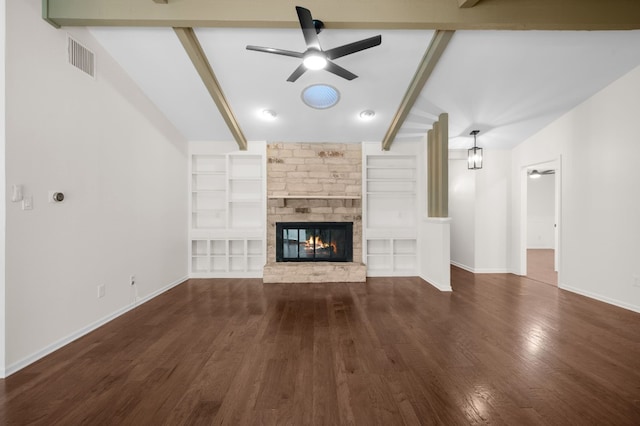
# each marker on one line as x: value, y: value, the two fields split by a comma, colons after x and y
x: 246, y: 191
x: 208, y: 191
x: 390, y: 216
x: 226, y: 257
x: 228, y: 211
x: 390, y: 184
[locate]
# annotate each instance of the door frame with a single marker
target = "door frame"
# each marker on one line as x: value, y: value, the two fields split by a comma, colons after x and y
x: 555, y: 164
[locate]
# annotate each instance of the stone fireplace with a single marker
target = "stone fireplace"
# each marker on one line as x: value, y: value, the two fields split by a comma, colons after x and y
x: 306, y: 183
x: 314, y: 241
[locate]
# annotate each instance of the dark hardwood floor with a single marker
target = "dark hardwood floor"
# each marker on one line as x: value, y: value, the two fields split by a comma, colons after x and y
x: 500, y: 349
x: 540, y: 266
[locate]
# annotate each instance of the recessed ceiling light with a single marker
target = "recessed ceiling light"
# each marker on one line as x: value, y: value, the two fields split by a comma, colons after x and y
x: 320, y: 96
x: 367, y: 115
x: 268, y: 114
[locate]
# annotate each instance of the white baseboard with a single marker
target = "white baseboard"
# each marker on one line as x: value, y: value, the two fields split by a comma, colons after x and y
x: 252, y: 274
x: 158, y: 292
x: 436, y: 284
x: 19, y: 365
x: 461, y: 266
x: 480, y: 270
x: 601, y: 298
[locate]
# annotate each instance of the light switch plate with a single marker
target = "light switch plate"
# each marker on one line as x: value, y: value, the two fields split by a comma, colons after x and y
x: 16, y: 193
x: 27, y: 203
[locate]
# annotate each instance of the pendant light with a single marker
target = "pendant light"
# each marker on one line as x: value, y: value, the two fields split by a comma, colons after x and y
x: 474, y: 157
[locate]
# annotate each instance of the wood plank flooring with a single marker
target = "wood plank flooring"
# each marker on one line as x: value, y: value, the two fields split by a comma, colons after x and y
x: 500, y: 349
x: 540, y: 264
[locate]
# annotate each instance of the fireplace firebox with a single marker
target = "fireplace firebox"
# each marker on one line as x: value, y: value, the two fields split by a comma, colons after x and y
x: 314, y: 241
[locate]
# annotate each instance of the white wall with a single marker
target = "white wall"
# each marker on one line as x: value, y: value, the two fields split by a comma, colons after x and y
x: 541, y: 212
x: 2, y: 185
x: 122, y: 167
x: 462, y: 205
x: 478, y: 206
x: 600, y: 232
x: 492, y: 211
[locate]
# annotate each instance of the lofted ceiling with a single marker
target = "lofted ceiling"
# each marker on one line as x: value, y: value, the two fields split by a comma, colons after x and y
x: 508, y: 84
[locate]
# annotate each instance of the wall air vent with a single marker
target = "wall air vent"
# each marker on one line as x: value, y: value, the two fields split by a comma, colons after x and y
x: 81, y: 57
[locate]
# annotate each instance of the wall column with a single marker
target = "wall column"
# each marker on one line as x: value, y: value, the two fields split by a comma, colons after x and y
x: 435, y: 231
x: 438, y: 167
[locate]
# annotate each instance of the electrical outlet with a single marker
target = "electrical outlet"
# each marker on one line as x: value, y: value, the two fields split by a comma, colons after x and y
x: 101, y: 291
x: 132, y: 280
x: 636, y: 281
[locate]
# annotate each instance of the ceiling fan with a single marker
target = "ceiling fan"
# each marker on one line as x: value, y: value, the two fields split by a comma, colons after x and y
x: 534, y: 174
x: 314, y: 58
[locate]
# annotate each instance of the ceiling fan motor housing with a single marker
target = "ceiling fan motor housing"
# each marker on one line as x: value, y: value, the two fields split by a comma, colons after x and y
x: 318, y: 25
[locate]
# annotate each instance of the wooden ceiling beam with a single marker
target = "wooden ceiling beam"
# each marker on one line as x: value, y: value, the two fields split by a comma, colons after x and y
x: 425, y: 68
x: 192, y: 46
x: 467, y: 3
x: 379, y: 14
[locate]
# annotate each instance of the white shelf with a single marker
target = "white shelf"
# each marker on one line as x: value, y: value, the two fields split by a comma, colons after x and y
x: 227, y: 257
x: 245, y: 179
x: 228, y: 212
x: 208, y: 164
x: 218, y: 173
x: 392, y: 193
x: 208, y: 191
x: 314, y: 197
x: 391, y: 256
x: 390, y: 214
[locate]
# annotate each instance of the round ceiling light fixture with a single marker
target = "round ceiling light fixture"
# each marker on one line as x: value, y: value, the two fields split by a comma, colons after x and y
x: 320, y: 96
x: 367, y: 115
x: 268, y: 114
x: 314, y: 60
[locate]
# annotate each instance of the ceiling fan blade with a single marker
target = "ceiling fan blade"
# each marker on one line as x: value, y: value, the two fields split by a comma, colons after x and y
x: 275, y: 51
x: 347, y: 49
x: 308, y: 29
x: 339, y: 71
x: 297, y: 73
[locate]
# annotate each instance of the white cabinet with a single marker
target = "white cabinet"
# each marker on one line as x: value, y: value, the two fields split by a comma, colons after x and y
x: 392, y: 256
x: 226, y: 257
x: 228, y: 210
x: 391, y: 200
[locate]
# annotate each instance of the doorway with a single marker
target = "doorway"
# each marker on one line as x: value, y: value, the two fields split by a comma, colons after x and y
x: 541, y: 222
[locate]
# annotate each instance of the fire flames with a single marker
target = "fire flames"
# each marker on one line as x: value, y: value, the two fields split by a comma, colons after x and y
x: 320, y: 244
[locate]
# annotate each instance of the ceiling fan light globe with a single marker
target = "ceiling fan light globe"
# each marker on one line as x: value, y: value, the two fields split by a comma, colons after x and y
x: 314, y: 61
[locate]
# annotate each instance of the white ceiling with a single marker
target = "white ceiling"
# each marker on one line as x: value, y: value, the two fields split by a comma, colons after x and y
x: 506, y: 84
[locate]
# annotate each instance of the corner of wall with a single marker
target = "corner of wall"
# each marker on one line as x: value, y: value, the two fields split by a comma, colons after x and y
x: 3, y: 186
